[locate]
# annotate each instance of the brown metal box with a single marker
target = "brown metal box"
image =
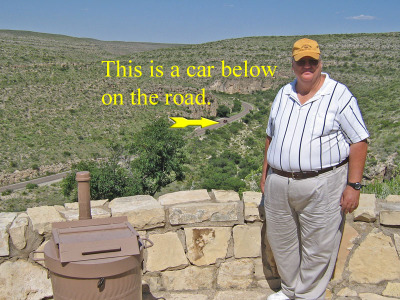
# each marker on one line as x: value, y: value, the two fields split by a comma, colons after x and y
x: 95, y: 259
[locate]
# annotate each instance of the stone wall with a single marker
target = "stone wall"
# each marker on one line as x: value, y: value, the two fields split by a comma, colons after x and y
x: 209, y: 246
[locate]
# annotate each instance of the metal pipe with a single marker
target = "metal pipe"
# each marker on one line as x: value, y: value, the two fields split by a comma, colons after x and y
x: 83, y: 179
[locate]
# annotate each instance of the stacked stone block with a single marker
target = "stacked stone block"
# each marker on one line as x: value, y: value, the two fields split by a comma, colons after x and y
x: 211, y: 241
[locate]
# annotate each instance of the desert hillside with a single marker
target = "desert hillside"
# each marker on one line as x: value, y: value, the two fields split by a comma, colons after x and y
x: 51, y: 109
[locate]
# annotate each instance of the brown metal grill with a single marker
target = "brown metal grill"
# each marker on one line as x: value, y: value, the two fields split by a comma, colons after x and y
x: 94, y: 258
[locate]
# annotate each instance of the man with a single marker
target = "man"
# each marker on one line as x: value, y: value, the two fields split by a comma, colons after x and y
x: 315, y: 153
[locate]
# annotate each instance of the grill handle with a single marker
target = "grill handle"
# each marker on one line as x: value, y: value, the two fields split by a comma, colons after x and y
x: 144, y: 245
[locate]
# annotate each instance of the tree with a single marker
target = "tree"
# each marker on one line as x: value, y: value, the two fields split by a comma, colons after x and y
x: 237, y: 106
x: 158, y: 159
x: 108, y: 180
x: 159, y: 156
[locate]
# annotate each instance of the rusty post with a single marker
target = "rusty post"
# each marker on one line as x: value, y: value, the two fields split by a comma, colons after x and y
x: 83, y: 179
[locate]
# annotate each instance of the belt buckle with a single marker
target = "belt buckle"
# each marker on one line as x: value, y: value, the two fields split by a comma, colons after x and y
x: 296, y: 175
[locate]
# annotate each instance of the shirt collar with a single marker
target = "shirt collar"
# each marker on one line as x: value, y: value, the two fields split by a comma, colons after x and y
x: 324, y: 90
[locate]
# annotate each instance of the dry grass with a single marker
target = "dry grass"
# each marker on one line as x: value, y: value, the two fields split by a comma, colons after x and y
x: 51, y: 109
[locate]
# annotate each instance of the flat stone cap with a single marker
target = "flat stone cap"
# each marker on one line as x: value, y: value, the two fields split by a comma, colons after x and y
x: 130, y: 203
x: 252, y: 197
x: 184, y: 197
x: 393, y: 198
x: 225, y: 196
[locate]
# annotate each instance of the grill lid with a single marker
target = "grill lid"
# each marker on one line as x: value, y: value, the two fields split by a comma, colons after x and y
x: 95, y: 239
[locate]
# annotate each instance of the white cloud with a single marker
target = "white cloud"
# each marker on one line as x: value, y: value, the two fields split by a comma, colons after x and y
x: 362, y: 17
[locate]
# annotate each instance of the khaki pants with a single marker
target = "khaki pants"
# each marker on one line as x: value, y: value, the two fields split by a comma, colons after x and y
x: 304, y: 229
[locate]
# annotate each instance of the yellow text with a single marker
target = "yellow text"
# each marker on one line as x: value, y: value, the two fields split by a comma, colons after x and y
x: 121, y: 70
x: 187, y: 99
x: 140, y: 98
x: 107, y: 99
x: 246, y: 71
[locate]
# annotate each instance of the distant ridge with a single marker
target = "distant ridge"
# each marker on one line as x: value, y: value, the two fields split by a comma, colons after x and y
x: 113, y: 47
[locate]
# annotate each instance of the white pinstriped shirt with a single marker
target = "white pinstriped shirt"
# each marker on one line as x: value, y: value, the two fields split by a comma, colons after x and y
x: 316, y: 134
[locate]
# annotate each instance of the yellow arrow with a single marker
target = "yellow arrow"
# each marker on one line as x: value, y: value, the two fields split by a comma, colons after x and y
x: 183, y: 122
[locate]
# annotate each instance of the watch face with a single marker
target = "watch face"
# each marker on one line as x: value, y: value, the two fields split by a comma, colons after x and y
x: 355, y: 185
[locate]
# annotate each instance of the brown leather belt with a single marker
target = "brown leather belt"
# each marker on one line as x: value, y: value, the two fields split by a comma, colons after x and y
x: 308, y: 174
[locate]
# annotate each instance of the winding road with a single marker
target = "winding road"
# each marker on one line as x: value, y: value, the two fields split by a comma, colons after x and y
x: 246, y: 108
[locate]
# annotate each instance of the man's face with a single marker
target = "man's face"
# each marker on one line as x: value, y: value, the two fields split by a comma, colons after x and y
x: 307, y: 68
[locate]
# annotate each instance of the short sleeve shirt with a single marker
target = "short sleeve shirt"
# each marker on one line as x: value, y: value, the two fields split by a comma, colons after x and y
x: 317, y: 134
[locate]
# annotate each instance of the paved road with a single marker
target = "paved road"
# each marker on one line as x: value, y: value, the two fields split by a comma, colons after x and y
x: 38, y: 181
x: 246, y: 108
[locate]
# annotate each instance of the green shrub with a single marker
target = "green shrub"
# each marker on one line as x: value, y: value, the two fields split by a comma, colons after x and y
x: 235, y: 127
x: 237, y: 106
x: 247, y: 118
x: 383, y: 189
x: 223, y: 111
x: 107, y: 181
x: 232, y: 156
x: 31, y: 186
x: 35, y: 167
x: 221, y: 180
x: 221, y: 172
x: 250, y: 141
x: 6, y: 192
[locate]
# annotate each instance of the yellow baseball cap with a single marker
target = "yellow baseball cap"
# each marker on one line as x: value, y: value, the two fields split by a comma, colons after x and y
x: 305, y: 47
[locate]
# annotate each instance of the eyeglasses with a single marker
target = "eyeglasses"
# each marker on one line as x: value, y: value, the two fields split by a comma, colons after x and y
x: 311, y: 62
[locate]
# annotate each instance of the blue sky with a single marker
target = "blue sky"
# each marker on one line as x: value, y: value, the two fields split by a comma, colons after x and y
x: 183, y: 21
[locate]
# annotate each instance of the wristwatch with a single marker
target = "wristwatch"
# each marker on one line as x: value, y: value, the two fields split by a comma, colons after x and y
x: 355, y: 185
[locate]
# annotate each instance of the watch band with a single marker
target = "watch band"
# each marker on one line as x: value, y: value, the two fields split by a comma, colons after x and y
x: 355, y: 185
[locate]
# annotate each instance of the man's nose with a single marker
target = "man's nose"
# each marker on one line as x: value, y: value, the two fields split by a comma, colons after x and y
x: 307, y: 63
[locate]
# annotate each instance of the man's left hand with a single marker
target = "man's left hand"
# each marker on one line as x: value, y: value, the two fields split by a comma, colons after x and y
x: 350, y: 199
